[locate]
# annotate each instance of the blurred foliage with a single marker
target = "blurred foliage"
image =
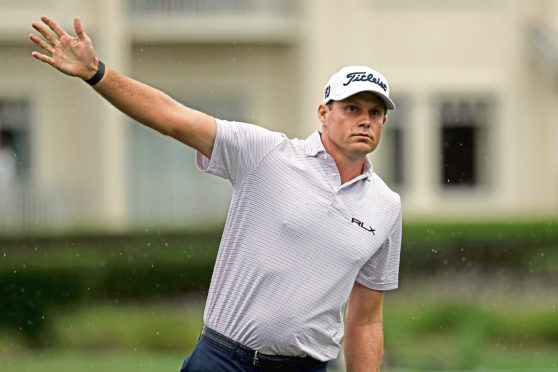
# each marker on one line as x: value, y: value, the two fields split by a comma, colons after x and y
x: 472, y: 321
x: 427, y: 332
x: 168, y: 326
x: 103, y: 360
x: 523, y: 247
x: 39, y: 274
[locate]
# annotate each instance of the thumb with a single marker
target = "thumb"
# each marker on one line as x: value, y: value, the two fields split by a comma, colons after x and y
x: 78, y: 27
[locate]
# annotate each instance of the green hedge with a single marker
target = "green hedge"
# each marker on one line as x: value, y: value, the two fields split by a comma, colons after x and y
x: 522, y: 247
x: 40, y: 274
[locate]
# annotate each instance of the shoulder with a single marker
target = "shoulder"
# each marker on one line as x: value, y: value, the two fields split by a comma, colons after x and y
x: 241, y: 128
x: 390, y: 200
x: 251, y: 137
x: 385, y: 190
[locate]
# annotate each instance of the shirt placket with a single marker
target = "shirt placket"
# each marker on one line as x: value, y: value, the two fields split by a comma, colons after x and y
x: 331, y: 172
x: 334, y: 181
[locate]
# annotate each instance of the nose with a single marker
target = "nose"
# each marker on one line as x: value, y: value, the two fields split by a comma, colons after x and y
x: 365, y: 121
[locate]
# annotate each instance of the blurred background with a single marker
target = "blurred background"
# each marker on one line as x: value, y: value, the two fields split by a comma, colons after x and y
x: 108, y: 233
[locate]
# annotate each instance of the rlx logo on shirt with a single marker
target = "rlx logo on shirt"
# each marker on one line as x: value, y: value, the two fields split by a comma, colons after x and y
x: 361, y: 224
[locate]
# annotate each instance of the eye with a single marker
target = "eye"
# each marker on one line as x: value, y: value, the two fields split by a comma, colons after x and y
x: 351, y: 108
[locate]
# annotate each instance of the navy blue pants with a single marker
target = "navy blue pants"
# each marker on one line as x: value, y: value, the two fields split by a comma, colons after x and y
x: 208, y: 357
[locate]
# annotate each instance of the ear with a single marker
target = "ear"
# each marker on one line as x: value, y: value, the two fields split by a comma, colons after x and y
x: 323, y: 110
x: 385, y: 118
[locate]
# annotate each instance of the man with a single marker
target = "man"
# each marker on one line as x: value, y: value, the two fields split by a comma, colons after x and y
x: 311, y: 227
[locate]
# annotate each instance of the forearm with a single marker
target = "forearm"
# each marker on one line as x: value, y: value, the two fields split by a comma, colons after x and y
x: 158, y: 111
x: 139, y: 101
x: 363, y: 345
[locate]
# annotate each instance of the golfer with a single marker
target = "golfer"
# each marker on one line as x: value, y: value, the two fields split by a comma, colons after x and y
x: 311, y: 227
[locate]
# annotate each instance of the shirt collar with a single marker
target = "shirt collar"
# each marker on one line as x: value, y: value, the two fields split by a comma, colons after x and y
x: 314, y: 146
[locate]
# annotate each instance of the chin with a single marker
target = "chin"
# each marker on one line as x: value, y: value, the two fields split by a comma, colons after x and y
x: 364, y: 148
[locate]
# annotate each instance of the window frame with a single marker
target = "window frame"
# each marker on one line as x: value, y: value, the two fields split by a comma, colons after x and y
x: 485, y: 141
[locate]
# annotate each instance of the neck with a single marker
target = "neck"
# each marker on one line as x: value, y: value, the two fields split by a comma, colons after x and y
x: 348, y: 169
x: 348, y: 166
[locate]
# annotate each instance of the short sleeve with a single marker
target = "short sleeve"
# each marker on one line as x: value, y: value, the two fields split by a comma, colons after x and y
x: 238, y: 149
x: 381, y: 271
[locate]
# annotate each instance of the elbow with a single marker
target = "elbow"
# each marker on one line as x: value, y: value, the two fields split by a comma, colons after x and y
x: 167, y: 122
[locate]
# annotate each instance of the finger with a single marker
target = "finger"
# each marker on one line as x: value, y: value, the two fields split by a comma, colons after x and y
x: 46, y: 34
x: 43, y: 58
x: 40, y: 42
x: 53, y: 26
x: 79, y: 28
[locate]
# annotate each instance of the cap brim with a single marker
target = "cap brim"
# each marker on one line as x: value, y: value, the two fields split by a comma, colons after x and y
x: 388, y: 102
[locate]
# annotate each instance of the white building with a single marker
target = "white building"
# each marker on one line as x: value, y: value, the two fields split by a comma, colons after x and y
x: 475, y: 81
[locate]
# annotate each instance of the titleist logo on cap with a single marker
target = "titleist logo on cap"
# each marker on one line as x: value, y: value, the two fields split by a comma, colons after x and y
x: 361, y: 76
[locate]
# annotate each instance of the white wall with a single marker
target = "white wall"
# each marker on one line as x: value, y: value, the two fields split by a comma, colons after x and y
x: 81, y: 165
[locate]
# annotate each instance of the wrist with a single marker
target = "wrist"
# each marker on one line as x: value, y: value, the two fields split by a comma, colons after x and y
x: 91, y: 69
x: 97, y: 75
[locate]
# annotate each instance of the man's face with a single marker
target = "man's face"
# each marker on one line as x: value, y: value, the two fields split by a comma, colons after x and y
x: 352, y: 127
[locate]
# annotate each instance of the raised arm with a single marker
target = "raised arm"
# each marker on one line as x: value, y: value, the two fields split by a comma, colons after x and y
x: 75, y: 56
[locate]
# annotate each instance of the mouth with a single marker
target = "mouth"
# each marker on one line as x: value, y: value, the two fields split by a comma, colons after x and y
x: 363, y: 135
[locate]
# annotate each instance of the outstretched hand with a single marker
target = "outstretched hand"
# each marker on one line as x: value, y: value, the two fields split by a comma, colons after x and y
x: 73, y: 56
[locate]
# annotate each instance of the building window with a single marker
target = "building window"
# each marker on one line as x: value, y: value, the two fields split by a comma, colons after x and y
x: 174, y: 7
x: 462, y: 136
x: 166, y: 188
x: 14, y: 163
x: 389, y: 158
x: 14, y: 141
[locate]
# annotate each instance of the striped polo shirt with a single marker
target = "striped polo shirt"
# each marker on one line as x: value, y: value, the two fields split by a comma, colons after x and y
x: 295, y: 241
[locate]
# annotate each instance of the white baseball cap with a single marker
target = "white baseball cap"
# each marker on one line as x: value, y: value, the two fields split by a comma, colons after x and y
x: 354, y: 79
